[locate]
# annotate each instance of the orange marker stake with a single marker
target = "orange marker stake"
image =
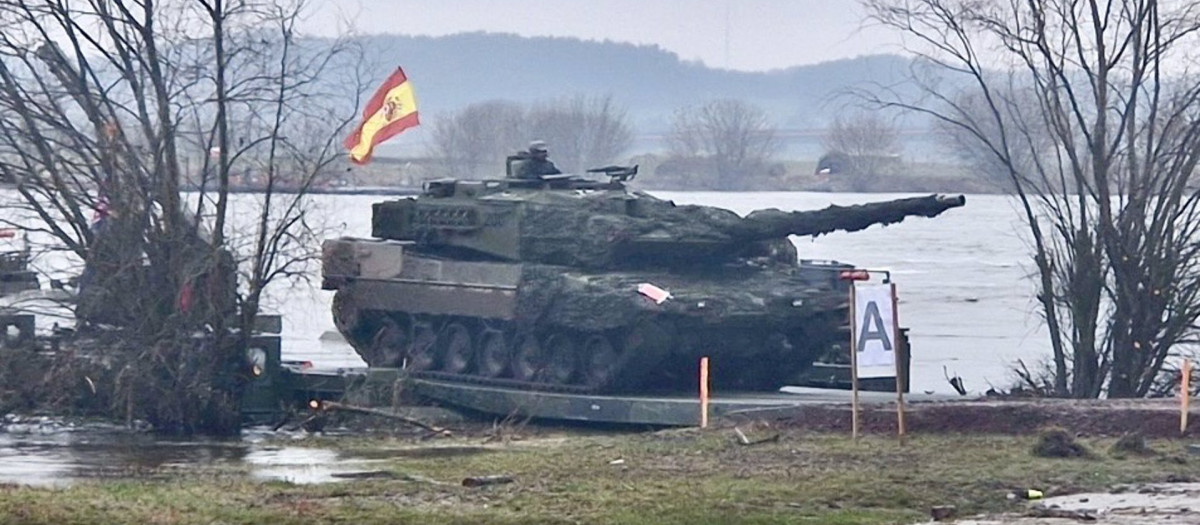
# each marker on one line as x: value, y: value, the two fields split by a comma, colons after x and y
x: 1184, y: 394
x: 703, y: 392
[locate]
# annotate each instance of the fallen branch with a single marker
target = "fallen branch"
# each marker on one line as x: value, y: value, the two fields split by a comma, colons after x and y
x: 479, y: 481
x: 745, y: 441
x: 367, y: 474
x: 333, y: 405
x: 387, y: 474
x: 1047, y: 512
x: 956, y: 381
x: 306, y: 424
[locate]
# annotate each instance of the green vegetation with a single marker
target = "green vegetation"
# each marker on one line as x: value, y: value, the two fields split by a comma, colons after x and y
x: 684, y: 477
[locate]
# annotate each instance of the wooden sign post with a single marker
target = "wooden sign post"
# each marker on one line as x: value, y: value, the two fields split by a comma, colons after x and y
x: 896, y: 357
x: 874, y: 340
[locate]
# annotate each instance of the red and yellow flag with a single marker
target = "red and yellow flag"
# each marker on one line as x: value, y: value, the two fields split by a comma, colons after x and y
x: 391, y: 110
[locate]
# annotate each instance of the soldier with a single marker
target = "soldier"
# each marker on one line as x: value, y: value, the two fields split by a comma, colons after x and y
x: 537, y: 163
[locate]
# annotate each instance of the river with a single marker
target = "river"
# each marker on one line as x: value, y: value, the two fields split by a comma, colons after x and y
x: 962, y: 278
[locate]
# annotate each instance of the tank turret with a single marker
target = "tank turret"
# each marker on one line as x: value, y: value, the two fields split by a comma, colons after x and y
x: 581, y: 223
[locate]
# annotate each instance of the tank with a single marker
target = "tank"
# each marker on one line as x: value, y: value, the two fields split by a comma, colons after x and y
x: 574, y: 284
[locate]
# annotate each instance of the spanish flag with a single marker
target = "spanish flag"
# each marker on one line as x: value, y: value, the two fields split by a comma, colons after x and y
x: 391, y: 110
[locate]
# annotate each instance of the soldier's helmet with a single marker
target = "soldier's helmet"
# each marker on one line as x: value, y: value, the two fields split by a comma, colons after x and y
x: 537, y: 146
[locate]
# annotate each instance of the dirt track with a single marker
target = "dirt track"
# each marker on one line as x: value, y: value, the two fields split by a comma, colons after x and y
x: 1152, y: 417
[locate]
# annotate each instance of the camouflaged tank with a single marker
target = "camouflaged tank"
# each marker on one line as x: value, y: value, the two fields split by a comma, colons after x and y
x: 570, y: 284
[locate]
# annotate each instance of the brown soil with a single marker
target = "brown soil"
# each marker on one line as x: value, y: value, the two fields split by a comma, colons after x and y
x: 1151, y: 417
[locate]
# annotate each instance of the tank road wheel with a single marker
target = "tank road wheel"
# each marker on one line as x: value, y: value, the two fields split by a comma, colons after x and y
x: 599, y: 361
x: 493, y: 354
x: 527, y: 357
x: 560, y: 358
x: 422, y: 354
x: 389, y: 345
x: 457, y: 348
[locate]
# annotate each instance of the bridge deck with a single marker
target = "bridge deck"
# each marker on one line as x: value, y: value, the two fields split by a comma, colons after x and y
x: 667, y: 410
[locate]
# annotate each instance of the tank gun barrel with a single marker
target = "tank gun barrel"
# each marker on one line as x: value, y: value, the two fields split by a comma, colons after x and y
x: 772, y: 223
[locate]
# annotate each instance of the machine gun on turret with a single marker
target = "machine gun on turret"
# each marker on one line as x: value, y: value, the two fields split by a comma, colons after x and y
x: 617, y: 173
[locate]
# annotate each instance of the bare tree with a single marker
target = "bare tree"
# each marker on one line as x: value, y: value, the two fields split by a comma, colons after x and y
x: 583, y: 132
x: 474, y: 142
x: 734, y: 137
x: 1088, y: 109
x: 104, y: 104
x: 869, y: 143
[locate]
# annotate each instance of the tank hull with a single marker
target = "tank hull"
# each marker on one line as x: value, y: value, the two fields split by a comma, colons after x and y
x: 562, y: 328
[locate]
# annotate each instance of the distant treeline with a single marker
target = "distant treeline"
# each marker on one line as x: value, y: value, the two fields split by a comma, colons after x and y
x: 449, y: 72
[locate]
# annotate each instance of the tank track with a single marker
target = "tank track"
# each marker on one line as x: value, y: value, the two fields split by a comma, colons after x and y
x: 552, y: 359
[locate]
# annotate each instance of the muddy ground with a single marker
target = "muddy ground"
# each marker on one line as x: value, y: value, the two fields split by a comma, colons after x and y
x: 1151, y: 417
x: 1149, y: 504
x: 379, y: 471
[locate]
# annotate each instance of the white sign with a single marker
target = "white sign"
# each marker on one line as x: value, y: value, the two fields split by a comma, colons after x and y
x: 874, y: 337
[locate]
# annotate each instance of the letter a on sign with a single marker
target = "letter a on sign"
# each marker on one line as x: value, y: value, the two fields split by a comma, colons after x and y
x: 875, y: 330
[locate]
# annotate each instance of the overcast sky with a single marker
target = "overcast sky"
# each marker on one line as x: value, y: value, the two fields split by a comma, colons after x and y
x: 762, y: 34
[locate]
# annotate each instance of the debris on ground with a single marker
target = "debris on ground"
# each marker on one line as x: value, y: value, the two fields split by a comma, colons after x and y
x: 1026, y: 494
x: 943, y: 512
x: 332, y: 405
x: 480, y: 481
x: 1132, y: 443
x: 365, y: 474
x: 745, y: 440
x: 1056, y: 442
x: 1078, y: 515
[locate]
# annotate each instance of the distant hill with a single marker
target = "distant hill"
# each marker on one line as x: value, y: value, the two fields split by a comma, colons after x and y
x: 450, y: 72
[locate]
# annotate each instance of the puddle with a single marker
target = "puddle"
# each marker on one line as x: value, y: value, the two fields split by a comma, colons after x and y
x: 51, y: 455
x: 300, y: 465
x: 1164, y: 498
x: 1150, y: 504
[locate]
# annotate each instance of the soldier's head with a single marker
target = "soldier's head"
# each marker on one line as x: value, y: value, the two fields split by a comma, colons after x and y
x: 537, y: 149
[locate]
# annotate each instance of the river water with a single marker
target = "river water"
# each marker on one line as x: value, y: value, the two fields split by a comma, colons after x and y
x: 52, y: 452
x: 962, y: 279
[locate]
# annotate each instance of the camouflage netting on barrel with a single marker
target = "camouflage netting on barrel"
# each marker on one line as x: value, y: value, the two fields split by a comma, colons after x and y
x: 658, y: 232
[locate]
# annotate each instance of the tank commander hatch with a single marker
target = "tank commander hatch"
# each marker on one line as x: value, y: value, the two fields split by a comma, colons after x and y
x: 536, y: 162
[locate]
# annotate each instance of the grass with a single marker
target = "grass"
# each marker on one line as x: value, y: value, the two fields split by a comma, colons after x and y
x: 684, y: 477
